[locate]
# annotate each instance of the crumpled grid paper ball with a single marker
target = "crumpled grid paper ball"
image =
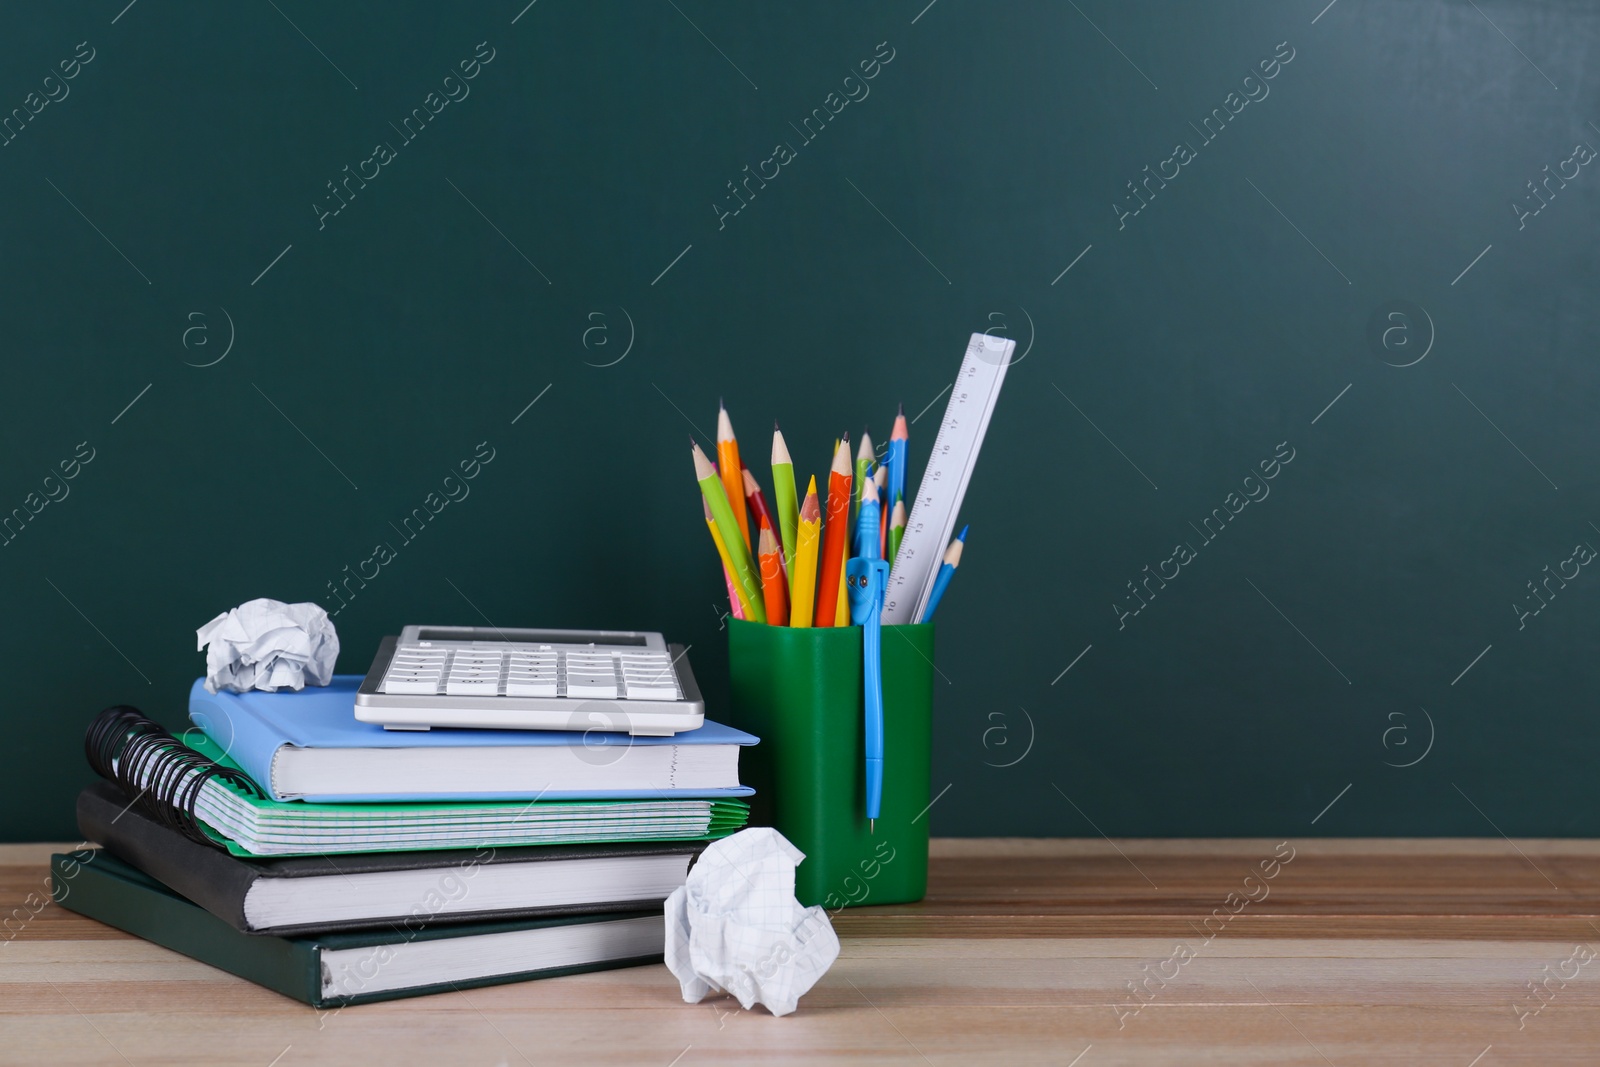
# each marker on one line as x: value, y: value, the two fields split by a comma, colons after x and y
x: 268, y: 645
x: 736, y: 927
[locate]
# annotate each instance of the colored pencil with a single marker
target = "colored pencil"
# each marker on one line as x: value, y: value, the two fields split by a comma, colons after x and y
x: 835, y: 538
x: 897, y: 528
x: 773, y: 587
x: 947, y: 571
x: 716, y: 497
x: 803, y: 575
x: 899, y: 440
x: 758, y: 507
x: 863, y: 471
x: 734, y: 603
x: 783, y: 495
x: 882, y: 479
x: 841, y: 609
x: 841, y: 604
x: 729, y: 466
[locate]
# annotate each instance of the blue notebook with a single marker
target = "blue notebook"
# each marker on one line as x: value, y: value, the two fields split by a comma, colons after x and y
x: 310, y: 746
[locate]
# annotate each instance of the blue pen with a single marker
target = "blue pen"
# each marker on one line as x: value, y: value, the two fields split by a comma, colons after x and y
x: 866, y: 577
x: 947, y: 570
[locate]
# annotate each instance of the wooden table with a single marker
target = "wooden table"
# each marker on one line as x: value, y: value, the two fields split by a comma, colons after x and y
x: 1026, y: 951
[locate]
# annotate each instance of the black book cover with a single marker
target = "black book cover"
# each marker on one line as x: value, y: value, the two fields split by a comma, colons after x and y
x: 98, y: 886
x: 219, y: 882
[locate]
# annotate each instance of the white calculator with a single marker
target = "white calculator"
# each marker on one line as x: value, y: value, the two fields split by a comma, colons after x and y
x: 492, y: 678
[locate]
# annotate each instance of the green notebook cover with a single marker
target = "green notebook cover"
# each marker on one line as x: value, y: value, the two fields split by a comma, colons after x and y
x: 93, y: 883
x: 726, y: 816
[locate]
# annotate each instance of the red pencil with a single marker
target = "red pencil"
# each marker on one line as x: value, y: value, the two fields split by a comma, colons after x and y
x: 758, y: 506
x: 835, y: 535
x: 882, y: 478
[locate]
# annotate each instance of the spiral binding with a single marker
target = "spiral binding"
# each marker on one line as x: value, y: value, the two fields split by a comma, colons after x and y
x: 161, y: 773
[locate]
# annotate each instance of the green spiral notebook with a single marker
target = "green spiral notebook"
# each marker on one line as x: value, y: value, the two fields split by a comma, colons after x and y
x: 252, y: 826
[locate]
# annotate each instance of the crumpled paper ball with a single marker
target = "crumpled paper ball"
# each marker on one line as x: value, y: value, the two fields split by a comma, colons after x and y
x: 267, y: 644
x: 736, y: 927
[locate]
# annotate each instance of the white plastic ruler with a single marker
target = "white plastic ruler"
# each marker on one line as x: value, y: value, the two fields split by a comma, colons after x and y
x: 944, y: 482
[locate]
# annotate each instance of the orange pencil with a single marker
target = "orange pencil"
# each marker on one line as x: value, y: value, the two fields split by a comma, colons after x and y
x: 729, y: 467
x: 774, y: 588
x: 835, y: 537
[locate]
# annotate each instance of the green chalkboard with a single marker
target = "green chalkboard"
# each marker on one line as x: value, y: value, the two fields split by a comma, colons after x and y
x: 1282, y: 523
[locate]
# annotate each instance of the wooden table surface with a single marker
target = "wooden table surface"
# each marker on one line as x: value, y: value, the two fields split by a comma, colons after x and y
x: 1463, y: 953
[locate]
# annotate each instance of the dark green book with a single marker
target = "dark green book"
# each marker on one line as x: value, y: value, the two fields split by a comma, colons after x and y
x: 355, y: 968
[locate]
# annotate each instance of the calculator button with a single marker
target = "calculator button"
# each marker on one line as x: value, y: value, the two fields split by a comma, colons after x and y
x: 466, y: 687
x: 415, y: 686
x: 652, y: 691
x: 532, y: 687
x: 646, y: 674
x: 591, y: 685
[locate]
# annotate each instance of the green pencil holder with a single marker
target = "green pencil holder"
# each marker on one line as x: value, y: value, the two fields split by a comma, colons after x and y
x: 799, y: 689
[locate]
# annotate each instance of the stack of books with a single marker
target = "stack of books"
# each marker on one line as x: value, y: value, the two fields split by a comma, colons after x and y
x: 337, y: 862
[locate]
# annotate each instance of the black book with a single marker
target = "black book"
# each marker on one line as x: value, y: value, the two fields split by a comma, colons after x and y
x: 324, y: 970
x: 385, y: 889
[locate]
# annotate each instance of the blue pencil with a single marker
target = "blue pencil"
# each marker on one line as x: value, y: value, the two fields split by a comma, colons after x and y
x: 896, y: 459
x: 947, y: 570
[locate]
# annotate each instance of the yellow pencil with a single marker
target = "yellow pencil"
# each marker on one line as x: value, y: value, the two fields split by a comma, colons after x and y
x: 803, y: 575
x: 841, y: 607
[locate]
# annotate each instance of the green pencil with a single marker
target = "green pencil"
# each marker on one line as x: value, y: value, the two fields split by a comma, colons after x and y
x: 738, y: 552
x: 784, y: 494
x: 897, y: 527
x: 864, y: 460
